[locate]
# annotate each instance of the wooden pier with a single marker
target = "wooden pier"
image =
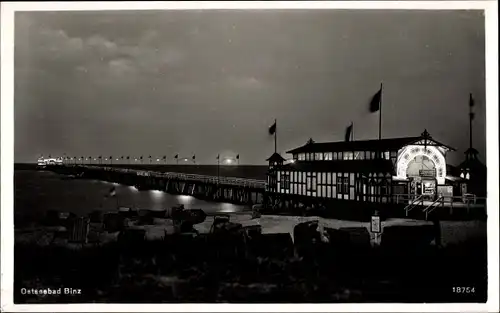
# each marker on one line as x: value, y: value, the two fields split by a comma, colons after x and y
x: 211, y: 188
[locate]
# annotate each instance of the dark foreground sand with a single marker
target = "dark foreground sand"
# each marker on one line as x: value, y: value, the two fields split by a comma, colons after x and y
x: 209, y: 269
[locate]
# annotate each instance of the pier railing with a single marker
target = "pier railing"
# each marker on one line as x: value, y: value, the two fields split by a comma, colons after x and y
x: 431, y: 207
x: 468, y: 202
x: 417, y: 201
x: 221, y: 180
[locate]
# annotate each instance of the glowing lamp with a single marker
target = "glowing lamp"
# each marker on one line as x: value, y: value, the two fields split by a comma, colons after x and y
x: 467, y: 176
x: 462, y: 175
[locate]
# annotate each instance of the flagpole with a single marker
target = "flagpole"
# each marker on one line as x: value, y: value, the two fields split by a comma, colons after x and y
x: 275, y: 137
x: 380, y: 115
x: 470, y: 121
x: 218, y: 168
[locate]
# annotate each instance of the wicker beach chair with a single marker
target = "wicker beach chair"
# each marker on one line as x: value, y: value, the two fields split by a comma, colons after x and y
x: 79, y: 230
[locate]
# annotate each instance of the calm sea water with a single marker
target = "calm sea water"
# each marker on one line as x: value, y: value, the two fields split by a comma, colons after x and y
x: 39, y: 191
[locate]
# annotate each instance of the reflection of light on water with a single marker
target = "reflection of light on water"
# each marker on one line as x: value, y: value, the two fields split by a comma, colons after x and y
x: 133, y: 188
x: 157, y: 194
x: 185, y: 199
x: 227, y: 208
x: 108, y: 182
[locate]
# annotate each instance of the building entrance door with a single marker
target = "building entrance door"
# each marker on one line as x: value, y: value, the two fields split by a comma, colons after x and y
x: 418, y: 188
x: 429, y: 187
x: 415, y: 186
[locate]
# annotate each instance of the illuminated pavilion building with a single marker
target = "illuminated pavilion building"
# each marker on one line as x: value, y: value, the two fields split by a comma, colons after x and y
x: 376, y: 171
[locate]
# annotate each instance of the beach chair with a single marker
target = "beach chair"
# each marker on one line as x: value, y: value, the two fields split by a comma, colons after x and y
x: 113, y: 222
x: 407, y: 240
x: 359, y: 237
x: 275, y: 246
x: 219, y: 220
x: 132, y: 236
x: 145, y: 217
x: 252, y: 230
x: 79, y: 230
x: 96, y: 216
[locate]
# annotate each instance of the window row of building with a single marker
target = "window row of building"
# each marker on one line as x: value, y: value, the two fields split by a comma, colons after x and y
x: 337, y: 185
x: 343, y: 155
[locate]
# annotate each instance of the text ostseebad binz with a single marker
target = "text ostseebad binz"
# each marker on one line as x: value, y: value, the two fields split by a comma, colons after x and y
x: 48, y: 291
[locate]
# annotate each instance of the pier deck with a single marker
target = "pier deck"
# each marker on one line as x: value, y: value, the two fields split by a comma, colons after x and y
x: 212, y: 188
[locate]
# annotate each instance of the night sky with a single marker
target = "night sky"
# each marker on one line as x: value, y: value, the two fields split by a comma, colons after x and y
x: 208, y: 82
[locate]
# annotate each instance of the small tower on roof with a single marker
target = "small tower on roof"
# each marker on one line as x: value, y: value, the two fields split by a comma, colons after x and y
x: 275, y: 160
x: 472, y: 170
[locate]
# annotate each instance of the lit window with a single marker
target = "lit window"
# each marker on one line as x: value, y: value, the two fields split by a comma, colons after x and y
x: 328, y: 156
x: 285, y: 181
x: 311, y: 181
x: 384, y: 189
x: 342, y: 185
x: 318, y: 156
x: 359, y: 155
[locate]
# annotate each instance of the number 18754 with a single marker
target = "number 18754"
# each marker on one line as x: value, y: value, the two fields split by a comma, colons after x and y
x: 464, y: 290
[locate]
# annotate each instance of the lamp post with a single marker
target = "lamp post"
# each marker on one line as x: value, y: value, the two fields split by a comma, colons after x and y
x: 218, y: 168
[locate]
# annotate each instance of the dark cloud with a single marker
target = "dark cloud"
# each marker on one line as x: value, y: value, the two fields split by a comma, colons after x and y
x: 205, y: 82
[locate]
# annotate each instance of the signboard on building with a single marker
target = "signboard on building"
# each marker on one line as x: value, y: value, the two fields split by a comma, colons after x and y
x: 375, y: 224
x: 428, y: 187
x: 427, y: 173
x: 445, y: 191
